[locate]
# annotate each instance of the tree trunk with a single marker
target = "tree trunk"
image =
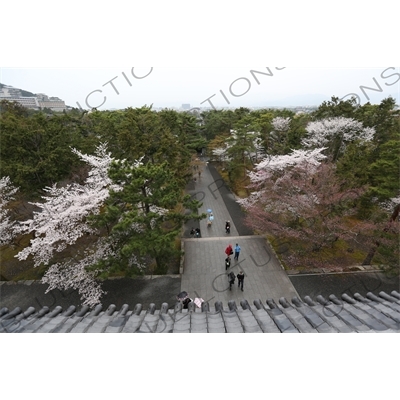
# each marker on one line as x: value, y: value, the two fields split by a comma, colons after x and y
x: 370, y: 256
x: 160, y: 264
x: 395, y: 214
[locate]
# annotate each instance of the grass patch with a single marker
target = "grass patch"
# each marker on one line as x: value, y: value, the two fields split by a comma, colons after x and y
x: 32, y: 274
x: 297, y: 255
x: 11, y: 267
x: 237, y: 182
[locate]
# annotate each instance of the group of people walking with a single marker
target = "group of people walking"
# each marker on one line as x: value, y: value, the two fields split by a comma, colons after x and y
x: 229, y: 251
x: 195, y: 232
x: 231, y: 276
x: 210, y: 221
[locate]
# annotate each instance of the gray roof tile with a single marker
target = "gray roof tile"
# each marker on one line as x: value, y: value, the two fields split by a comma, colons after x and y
x: 299, y: 321
x: 380, y: 316
x: 373, y: 313
x: 319, y: 320
x: 396, y: 295
x: 284, y: 324
x: 265, y: 321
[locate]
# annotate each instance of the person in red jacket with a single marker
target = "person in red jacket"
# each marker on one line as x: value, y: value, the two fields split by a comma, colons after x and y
x: 229, y: 250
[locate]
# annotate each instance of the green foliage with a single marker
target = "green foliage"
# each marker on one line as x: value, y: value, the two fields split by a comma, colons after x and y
x: 146, y: 216
x: 387, y: 253
x: 13, y: 108
x: 353, y: 167
x: 142, y: 132
x: 383, y: 117
x: 336, y: 108
x: 216, y: 122
x: 385, y: 172
x: 35, y: 149
x: 242, y: 144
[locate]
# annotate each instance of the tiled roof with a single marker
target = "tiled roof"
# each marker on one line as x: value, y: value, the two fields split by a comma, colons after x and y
x: 373, y: 313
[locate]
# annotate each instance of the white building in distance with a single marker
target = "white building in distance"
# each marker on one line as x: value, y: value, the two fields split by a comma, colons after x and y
x: 35, y: 102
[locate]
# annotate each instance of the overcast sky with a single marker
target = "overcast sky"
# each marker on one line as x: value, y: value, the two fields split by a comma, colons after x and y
x: 172, y: 87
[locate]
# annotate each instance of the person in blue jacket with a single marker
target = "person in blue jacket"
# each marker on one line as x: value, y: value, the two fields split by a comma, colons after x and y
x: 237, y: 252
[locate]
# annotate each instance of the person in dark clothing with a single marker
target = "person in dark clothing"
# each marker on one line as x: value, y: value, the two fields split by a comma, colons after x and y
x: 231, y: 278
x: 227, y: 263
x: 228, y: 227
x: 186, y: 303
x: 240, y: 277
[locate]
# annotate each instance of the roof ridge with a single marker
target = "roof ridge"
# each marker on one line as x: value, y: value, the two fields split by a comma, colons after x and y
x: 377, y: 313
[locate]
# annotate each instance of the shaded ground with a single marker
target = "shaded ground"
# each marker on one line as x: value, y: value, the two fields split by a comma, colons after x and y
x: 349, y: 283
x: 235, y: 211
x: 120, y: 291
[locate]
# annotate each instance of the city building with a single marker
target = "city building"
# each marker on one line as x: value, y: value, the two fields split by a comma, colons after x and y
x: 28, y: 102
x: 35, y: 102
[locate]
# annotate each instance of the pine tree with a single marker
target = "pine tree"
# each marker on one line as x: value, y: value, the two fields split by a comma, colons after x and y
x: 146, y: 216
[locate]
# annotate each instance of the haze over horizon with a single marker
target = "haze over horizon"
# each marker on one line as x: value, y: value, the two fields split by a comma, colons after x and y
x: 123, y: 87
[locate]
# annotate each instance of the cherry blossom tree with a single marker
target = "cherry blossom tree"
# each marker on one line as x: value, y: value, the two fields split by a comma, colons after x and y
x: 220, y: 153
x: 125, y: 214
x: 335, y: 133
x: 281, y: 125
x: 394, y: 208
x: 63, y: 219
x: 299, y: 198
x: 7, y: 191
x: 277, y: 137
x: 74, y: 274
x: 270, y: 166
x: 259, y: 150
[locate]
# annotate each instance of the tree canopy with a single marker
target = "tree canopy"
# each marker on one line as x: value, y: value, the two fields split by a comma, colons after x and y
x: 111, y: 184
